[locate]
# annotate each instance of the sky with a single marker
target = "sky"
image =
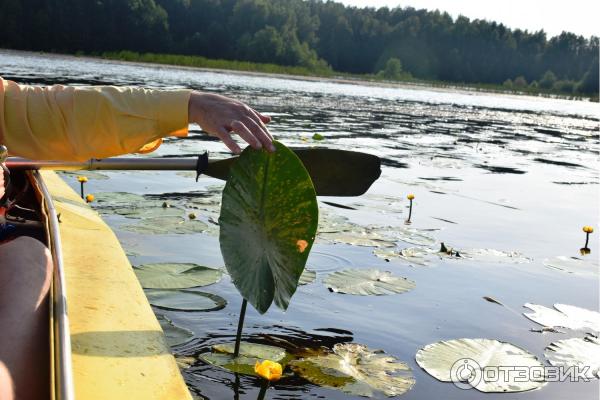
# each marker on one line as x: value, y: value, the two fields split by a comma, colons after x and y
x: 553, y: 16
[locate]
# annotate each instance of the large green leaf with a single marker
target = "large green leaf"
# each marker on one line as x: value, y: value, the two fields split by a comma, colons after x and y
x: 174, y: 334
x: 268, y: 222
x: 176, y: 275
x: 185, y: 300
x: 222, y: 356
x: 576, y: 352
x: 355, y: 369
x: 365, y: 282
x: 464, y: 362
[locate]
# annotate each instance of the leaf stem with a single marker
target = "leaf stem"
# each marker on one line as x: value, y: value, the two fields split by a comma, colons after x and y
x: 238, y: 336
x: 263, y: 390
x: 587, y: 240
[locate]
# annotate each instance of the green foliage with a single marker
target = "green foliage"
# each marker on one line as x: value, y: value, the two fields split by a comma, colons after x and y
x: 311, y: 35
x: 520, y: 82
x: 393, y: 70
x: 564, y: 86
x: 508, y: 84
x: 268, y: 224
x: 548, y: 80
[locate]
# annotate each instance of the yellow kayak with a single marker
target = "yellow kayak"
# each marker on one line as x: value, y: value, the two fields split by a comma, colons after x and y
x: 106, y: 341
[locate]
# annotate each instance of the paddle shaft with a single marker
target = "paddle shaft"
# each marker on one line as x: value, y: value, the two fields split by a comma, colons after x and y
x: 333, y: 172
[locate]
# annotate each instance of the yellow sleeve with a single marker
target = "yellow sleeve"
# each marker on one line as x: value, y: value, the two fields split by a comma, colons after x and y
x: 77, y: 123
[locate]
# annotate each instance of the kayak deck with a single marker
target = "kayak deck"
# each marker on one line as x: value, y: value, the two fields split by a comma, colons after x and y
x: 118, y: 347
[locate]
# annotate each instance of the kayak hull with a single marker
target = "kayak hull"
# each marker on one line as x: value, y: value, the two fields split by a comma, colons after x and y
x: 118, y: 348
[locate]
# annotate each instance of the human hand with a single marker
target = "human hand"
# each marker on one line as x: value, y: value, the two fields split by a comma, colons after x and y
x: 219, y: 116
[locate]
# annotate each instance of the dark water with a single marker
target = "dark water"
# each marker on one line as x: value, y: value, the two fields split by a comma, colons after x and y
x: 488, y: 172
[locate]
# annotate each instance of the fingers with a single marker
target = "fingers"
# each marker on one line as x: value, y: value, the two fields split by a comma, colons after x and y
x: 249, y: 136
x: 264, y: 118
x: 228, y: 140
x: 255, y: 116
x: 261, y: 134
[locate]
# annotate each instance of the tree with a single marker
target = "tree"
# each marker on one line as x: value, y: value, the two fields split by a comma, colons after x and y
x: 392, y: 70
x: 547, y: 80
x: 520, y: 82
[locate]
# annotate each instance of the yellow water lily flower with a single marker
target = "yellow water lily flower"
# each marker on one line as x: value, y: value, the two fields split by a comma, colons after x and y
x: 82, y: 178
x: 588, y: 229
x: 410, y: 196
x: 89, y: 198
x: 270, y: 370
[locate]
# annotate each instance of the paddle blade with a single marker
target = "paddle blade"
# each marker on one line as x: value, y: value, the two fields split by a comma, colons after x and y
x: 333, y: 172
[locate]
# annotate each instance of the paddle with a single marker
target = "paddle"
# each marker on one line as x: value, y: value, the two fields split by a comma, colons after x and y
x: 333, y: 172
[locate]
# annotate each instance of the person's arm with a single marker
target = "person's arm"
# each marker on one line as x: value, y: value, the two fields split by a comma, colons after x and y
x: 77, y: 123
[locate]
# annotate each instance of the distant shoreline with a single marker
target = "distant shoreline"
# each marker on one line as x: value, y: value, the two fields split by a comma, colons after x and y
x: 301, y: 73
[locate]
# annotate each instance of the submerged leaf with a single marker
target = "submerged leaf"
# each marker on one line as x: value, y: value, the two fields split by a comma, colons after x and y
x: 174, y: 334
x: 163, y: 225
x: 308, y: 276
x: 463, y: 361
x: 573, y: 265
x: 185, y: 300
x: 494, y: 256
x: 222, y: 356
x: 366, y: 282
x: 355, y: 369
x: 269, y: 205
x: 576, y: 352
x: 412, y: 255
x: 176, y: 275
x: 564, y: 316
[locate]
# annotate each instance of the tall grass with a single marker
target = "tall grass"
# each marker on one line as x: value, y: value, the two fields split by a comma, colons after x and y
x: 203, y: 62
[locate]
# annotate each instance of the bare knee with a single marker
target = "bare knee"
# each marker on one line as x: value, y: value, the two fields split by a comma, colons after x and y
x: 25, y: 263
x: 6, y: 386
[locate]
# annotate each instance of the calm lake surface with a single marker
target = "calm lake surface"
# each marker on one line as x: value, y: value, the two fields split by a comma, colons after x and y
x: 510, y: 173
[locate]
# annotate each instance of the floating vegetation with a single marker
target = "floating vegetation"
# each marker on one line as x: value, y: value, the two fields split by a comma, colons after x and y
x: 463, y: 362
x: 564, y: 316
x: 308, y: 276
x: 412, y: 255
x: 174, y: 334
x: 572, y: 265
x: 185, y: 300
x: 357, y: 370
x: 250, y: 353
x: 176, y: 275
x: 365, y: 282
x: 495, y: 256
x: 576, y: 352
x: 164, y: 225
x: 96, y: 175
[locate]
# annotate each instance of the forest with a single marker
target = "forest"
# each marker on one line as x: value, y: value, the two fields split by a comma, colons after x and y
x: 398, y: 43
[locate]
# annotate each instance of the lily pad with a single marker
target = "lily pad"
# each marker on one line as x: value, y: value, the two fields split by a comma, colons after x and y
x: 463, y: 362
x: 576, y: 352
x: 176, y: 275
x: 308, y: 276
x: 185, y: 300
x: 494, y: 256
x: 268, y: 221
x: 365, y: 282
x: 174, y: 334
x: 572, y: 265
x: 163, y: 225
x: 222, y: 356
x: 357, y: 370
x: 412, y: 255
x: 564, y: 316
